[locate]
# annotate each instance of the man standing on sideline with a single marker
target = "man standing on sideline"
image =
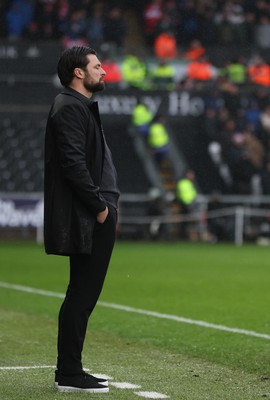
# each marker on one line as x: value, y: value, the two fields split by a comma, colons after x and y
x: 80, y: 207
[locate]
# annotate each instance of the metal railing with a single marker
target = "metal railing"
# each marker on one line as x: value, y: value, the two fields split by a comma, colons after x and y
x: 244, y: 213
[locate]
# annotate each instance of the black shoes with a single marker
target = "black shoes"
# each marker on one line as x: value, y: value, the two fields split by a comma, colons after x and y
x: 80, y: 383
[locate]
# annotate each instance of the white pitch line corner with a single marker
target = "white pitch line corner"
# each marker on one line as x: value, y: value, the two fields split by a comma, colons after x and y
x: 124, y: 385
x: 152, y: 395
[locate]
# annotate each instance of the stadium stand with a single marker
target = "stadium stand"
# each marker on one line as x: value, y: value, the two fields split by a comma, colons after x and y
x: 21, y: 141
x: 21, y: 165
x: 220, y: 124
x: 133, y: 178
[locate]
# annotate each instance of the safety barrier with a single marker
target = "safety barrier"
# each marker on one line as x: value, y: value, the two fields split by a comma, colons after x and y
x: 247, y: 218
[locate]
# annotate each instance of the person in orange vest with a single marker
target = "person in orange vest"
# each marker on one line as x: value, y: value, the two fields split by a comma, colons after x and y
x: 200, y: 69
x: 259, y: 72
x: 195, y: 50
x: 165, y: 46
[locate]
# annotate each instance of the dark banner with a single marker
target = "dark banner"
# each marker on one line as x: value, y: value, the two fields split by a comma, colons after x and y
x: 171, y: 104
x: 112, y: 103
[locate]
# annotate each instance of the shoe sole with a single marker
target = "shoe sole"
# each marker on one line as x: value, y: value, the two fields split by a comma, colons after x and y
x: 105, y: 383
x: 85, y: 390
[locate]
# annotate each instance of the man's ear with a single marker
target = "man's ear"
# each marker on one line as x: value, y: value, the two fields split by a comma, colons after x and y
x: 79, y: 73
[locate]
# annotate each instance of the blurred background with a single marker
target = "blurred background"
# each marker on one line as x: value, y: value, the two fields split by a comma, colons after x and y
x: 186, y: 112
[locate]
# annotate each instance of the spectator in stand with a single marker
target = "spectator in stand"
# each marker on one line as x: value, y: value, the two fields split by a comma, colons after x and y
x: 232, y: 96
x: 236, y: 18
x: 115, y: 29
x: 265, y: 129
x: 249, y: 26
x: 234, y: 157
x: 208, y: 34
x: 223, y: 115
x: 166, y: 24
x: 265, y: 120
x: 224, y: 30
x: 46, y: 19
x: 259, y: 72
x: 241, y: 120
x: 95, y: 25
x: 211, y: 125
x: 245, y: 158
x: 195, y: 50
x: 216, y: 156
x: 4, y: 7
x: 75, y: 34
x: 77, y: 4
x: 254, y: 151
x: 226, y: 127
x: 189, y: 24
x: 262, y: 96
x: 260, y: 8
x: 230, y: 20
x: 62, y: 16
x: 262, y: 32
x: 152, y: 15
x: 253, y: 116
x: 170, y: 19
x: 213, y: 99
x: 18, y: 18
x: 165, y: 46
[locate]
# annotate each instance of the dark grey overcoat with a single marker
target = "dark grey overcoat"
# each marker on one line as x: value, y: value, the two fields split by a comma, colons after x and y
x: 74, y: 155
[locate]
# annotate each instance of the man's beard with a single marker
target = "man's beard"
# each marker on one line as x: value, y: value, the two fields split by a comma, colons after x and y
x: 94, y: 87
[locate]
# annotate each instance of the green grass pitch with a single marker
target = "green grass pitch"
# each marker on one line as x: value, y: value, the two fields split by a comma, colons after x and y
x: 218, y: 284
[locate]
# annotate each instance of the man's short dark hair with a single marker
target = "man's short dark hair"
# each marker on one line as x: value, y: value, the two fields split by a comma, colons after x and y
x: 75, y: 57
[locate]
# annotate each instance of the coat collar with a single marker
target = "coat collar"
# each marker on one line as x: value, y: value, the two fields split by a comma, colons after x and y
x: 71, y: 92
x: 90, y: 104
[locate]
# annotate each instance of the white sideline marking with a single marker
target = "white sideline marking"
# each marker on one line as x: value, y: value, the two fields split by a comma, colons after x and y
x: 143, y: 312
x: 29, y: 367
x: 118, y: 385
x: 152, y: 395
x: 124, y: 385
x: 31, y: 290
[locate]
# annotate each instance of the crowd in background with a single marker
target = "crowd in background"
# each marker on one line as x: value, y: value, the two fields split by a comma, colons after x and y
x: 236, y: 124
x: 223, y: 22
x: 178, y: 34
x: 214, y: 22
x: 73, y: 22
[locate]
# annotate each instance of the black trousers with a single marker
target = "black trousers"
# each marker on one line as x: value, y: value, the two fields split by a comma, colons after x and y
x: 87, y: 274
